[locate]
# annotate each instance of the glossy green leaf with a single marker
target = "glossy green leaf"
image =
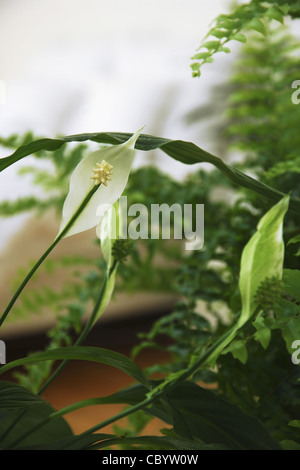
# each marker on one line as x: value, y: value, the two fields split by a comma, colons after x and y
x: 290, y: 445
x: 239, y: 37
x: 185, y: 152
x: 13, y: 397
x: 275, y: 14
x: 103, y: 356
x: 294, y: 240
x: 211, y: 44
x: 291, y: 332
x: 213, y: 419
x: 207, y: 416
x: 25, y: 411
x: 295, y: 423
x: 263, y: 333
x: 130, y: 396
x: 239, y: 351
x: 291, y: 283
x: 257, y: 25
x: 262, y: 257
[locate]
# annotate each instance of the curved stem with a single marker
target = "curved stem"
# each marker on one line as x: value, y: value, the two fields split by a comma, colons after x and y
x: 113, y: 419
x: 154, y: 395
x: 81, y: 338
x: 44, y: 256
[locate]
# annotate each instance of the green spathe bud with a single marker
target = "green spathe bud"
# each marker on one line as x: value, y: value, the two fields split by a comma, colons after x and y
x: 117, y: 164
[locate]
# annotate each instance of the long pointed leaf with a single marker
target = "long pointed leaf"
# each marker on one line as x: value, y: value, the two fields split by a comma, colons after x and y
x: 185, y: 152
x: 103, y: 356
x: 21, y: 411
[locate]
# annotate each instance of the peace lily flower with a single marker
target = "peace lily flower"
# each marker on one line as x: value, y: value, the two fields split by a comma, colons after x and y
x: 108, y: 169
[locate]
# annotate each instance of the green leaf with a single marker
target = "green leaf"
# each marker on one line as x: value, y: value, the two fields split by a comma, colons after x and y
x: 262, y: 257
x: 264, y: 337
x: 201, y: 55
x: 13, y: 397
x: 274, y: 14
x: 224, y: 49
x: 206, y: 416
x: 53, y: 144
x: 291, y: 282
x: 211, y: 44
x: 258, y: 26
x: 291, y: 332
x: 263, y: 333
x: 239, y: 37
x: 212, y: 419
x: 217, y: 33
x: 26, y: 410
x: 289, y: 445
x: 29, y: 149
x: 180, y: 426
x: 130, y: 396
x: 238, y: 350
x: 185, y: 152
x: 294, y: 240
x: 208, y: 60
x: 196, y: 69
x: 103, y: 356
x: 295, y: 423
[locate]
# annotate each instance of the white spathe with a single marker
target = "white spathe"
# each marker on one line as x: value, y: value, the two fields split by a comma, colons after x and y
x: 121, y: 158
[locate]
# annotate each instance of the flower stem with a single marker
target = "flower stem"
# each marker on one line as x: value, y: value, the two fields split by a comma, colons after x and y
x: 44, y: 256
x: 79, y: 341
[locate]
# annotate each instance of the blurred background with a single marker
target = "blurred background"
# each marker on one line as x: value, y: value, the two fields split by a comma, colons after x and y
x: 71, y: 67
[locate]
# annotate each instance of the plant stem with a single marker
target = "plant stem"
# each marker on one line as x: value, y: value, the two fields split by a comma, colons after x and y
x: 82, y: 337
x: 111, y: 420
x: 44, y: 256
x: 155, y: 395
